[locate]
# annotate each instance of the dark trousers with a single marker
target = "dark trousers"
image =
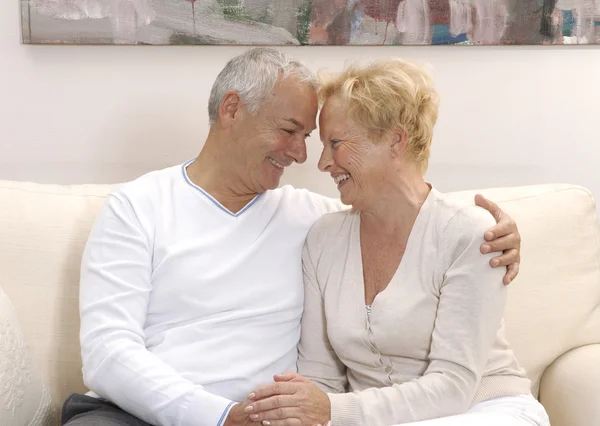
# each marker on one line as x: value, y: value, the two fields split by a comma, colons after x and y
x: 82, y: 410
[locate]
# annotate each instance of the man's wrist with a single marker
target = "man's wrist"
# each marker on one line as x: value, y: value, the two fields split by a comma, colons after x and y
x: 224, y: 421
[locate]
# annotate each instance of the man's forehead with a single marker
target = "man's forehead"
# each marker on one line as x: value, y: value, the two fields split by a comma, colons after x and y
x: 294, y: 121
x: 298, y: 123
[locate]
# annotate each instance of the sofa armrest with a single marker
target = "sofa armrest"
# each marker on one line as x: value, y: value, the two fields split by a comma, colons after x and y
x: 570, y: 388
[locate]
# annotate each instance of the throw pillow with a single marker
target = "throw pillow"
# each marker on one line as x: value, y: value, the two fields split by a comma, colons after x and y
x: 24, y: 399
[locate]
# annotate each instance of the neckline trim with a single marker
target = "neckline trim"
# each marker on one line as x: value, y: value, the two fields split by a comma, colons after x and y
x: 211, y: 198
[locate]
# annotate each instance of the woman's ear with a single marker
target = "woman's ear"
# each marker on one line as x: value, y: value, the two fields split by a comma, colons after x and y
x: 399, y: 143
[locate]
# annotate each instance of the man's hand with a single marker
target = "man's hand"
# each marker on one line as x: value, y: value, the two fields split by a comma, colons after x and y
x: 290, y: 376
x: 504, y: 237
x: 289, y: 403
x: 237, y: 417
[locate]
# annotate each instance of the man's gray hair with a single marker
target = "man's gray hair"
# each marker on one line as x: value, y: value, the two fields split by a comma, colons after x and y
x: 253, y: 75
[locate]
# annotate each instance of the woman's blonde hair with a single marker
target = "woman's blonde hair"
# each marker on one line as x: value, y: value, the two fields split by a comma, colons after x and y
x: 387, y: 95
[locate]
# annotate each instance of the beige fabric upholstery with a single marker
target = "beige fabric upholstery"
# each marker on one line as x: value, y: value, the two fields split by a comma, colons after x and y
x: 43, y: 229
x: 24, y: 399
x: 570, y: 388
x: 553, y: 305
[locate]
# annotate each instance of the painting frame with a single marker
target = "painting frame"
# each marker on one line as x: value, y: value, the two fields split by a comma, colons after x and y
x: 311, y: 22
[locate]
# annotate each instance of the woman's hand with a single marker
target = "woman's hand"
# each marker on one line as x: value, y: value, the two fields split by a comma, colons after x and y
x: 295, y: 402
x: 504, y: 237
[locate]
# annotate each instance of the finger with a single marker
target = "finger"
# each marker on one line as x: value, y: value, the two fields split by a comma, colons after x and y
x: 508, y: 242
x: 281, y: 378
x: 278, y: 388
x: 508, y: 257
x: 290, y: 376
x: 504, y: 223
x: 271, y: 403
x: 286, y: 422
x: 512, y: 272
x: 281, y: 413
x: 490, y: 206
x: 284, y: 378
x: 506, y: 226
x: 299, y: 379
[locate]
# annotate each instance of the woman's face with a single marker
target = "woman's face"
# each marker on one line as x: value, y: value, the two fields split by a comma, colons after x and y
x: 357, y: 165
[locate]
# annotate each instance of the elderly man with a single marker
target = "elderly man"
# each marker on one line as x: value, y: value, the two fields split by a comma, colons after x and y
x: 191, y: 280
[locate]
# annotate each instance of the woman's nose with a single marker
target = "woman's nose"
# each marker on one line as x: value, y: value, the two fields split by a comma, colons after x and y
x: 326, y: 160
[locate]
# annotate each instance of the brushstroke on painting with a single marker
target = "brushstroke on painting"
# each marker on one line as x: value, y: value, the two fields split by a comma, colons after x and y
x: 312, y: 22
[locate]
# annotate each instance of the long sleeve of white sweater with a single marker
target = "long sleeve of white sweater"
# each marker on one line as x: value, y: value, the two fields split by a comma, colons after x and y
x: 115, y: 291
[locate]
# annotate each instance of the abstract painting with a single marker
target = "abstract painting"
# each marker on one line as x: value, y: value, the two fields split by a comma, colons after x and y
x: 311, y: 22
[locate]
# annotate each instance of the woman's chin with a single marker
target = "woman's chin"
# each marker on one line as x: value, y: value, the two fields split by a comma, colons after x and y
x: 346, y: 200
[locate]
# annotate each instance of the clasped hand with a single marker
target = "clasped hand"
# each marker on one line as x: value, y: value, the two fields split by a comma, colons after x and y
x: 291, y: 401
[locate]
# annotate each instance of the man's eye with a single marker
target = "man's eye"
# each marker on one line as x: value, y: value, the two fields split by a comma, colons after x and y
x: 290, y: 132
x: 334, y: 142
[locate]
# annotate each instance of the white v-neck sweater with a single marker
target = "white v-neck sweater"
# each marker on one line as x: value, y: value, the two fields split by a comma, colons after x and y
x: 186, y: 307
x: 434, y: 344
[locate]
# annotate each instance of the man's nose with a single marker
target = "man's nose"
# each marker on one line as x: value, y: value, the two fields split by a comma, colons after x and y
x: 298, y: 151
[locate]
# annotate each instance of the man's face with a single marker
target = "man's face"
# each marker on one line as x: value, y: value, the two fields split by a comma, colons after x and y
x: 275, y: 136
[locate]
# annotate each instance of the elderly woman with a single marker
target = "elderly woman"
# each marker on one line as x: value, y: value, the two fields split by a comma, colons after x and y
x: 403, y: 315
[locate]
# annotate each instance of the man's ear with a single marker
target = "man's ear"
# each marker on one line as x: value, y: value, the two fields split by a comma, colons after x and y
x: 399, y: 143
x: 229, y: 108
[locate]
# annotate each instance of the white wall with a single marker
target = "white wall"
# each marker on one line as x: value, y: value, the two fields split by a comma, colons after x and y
x: 510, y: 116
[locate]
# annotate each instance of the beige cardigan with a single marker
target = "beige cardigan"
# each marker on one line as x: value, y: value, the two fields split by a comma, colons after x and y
x: 434, y: 344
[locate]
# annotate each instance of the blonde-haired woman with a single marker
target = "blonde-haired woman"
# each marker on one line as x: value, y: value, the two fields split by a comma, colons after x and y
x: 403, y: 315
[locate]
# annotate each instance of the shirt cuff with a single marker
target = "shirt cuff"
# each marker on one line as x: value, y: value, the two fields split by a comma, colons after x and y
x: 345, y: 409
x: 226, y: 413
x: 203, y: 408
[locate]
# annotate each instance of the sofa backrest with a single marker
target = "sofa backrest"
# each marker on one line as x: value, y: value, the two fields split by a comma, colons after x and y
x: 553, y: 305
x: 43, y: 230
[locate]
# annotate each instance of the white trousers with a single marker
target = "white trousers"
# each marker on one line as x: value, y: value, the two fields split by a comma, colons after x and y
x: 522, y: 410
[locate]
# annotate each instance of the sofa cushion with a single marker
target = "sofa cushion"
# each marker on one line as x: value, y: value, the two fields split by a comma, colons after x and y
x: 24, y: 399
x: 554, y: 304
x: 43, y: 230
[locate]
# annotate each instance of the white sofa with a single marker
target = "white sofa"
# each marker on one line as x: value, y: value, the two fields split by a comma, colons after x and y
x: 552, y: 318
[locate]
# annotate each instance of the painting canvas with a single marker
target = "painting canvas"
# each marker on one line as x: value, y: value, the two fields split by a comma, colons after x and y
x: 311, y: 22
